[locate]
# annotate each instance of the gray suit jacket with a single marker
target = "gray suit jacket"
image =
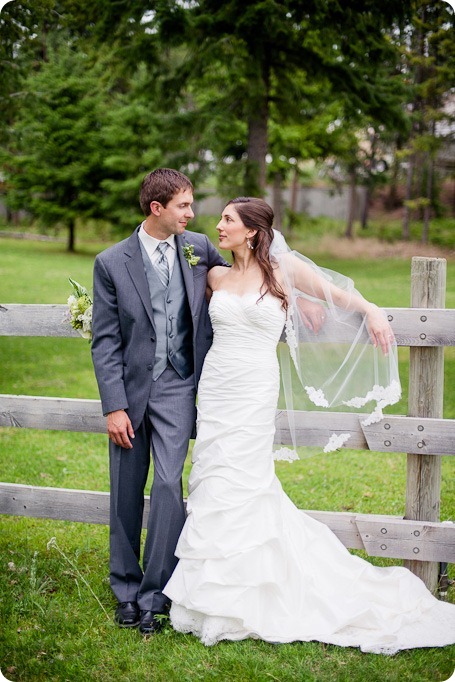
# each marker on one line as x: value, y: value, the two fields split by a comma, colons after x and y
x: 124, y: 337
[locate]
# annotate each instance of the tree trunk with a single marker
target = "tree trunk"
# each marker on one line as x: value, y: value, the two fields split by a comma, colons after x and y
x: 278, y: 201
x: 427, y: 209
x: 255, y: 177
x: 365, y: 208
x: 408, y: 196
x: 71, y: 236
x: 257, y: 147
x: 392, y: 200
x: 349, y: 233
x: 294, y: 191
x: 292, y: 209
x: 420, y: 192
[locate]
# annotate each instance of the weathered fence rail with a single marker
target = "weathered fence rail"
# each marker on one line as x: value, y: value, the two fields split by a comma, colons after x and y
x: 378, y: 535
x: 393, y: 434
x: 411, y: 326
x: 420, y: 538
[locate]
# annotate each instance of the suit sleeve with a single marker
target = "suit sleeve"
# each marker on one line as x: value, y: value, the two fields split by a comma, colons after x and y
x: 107, y: 347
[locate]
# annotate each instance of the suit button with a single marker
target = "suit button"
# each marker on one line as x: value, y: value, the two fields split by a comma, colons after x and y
x: 171, y: 336
x: 171, y: 352
x: 149, y: 367
x: 169, y: 300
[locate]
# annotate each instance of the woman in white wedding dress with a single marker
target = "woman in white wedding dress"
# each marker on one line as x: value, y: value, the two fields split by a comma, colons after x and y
x: 250, y: 563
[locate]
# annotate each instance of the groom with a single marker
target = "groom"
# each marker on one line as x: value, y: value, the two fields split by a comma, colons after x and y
x: 151, y: 332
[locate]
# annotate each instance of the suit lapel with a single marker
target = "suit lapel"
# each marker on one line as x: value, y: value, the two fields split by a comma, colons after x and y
x: 187, y: 272
x: 135, y: 266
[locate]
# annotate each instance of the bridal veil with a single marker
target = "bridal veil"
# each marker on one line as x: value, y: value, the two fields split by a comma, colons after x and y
x: 337, y: 367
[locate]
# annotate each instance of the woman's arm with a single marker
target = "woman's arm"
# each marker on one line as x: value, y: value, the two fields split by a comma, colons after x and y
x: 311, y: 283
x: 214, y: 276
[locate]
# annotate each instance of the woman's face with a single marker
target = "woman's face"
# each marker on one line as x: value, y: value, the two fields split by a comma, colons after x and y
x: 232, y: 232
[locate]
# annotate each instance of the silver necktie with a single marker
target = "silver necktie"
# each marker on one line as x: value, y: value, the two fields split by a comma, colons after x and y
x: 162, y: 264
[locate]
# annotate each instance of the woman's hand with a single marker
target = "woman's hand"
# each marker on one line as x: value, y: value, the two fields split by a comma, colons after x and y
x: 313, y: 314
x: 379, y: 329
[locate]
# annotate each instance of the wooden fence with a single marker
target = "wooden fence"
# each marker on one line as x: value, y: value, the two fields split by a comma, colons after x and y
x: 419, y: 538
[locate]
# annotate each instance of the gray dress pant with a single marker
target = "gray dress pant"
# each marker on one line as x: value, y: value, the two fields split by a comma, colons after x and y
x: 165, y: 432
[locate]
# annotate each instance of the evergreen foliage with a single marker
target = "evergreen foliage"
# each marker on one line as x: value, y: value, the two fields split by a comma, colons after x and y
x: 96, y: 94
x: 55, y: 164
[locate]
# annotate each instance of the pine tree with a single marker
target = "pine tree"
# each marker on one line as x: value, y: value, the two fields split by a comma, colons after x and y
x: 55, y: 166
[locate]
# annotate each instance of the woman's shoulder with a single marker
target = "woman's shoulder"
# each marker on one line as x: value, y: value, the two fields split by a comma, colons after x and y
x: 215, y: 275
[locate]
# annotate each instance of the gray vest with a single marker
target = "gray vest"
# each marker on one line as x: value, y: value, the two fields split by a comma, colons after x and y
x: 172, y: 319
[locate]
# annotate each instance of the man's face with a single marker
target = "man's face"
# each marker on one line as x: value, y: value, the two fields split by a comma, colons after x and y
x: 173, y: 218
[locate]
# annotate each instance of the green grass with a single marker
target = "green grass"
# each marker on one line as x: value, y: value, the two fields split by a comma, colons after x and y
x: 56, y: 631
x: 52, y: 628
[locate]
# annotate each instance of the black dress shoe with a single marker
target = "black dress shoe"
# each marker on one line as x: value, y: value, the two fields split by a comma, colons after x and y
x: 149, y: 623
x: 127, y: 614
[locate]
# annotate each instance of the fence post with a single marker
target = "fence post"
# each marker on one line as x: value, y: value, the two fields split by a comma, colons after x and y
x: 426, y: 385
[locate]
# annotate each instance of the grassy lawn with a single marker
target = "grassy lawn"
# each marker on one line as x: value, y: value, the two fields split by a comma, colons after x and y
x: 52, y: 626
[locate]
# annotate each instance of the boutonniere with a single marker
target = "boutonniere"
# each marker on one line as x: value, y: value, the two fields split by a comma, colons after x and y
x: 188, y: 252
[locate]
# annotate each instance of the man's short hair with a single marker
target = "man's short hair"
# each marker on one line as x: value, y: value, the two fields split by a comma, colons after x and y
x: 161, y: 185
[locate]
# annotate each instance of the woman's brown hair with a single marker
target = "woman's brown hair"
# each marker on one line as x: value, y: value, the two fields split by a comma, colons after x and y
x: 256, y: 214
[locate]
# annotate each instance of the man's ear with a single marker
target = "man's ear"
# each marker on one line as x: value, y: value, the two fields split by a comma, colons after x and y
x: 155, y: 208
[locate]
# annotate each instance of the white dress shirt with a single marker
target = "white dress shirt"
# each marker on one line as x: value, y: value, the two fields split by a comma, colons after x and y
x: 150, y: 244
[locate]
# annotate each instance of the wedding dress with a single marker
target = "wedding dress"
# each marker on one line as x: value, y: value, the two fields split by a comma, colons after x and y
x: 251, y: 564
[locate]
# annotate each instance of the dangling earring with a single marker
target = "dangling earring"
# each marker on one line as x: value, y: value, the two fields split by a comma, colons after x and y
x: 249, y: 244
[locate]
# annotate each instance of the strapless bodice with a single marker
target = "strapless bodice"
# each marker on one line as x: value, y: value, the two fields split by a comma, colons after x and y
x: 246, y: 319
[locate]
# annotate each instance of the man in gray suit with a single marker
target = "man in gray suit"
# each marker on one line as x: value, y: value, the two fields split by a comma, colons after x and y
x: 151, y: 332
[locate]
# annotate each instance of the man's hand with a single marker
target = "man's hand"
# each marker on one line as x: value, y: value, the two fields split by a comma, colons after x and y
x: 119, y: 429
x: 313, y: 314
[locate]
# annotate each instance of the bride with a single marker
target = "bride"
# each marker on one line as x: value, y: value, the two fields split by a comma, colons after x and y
x: 250, y: 563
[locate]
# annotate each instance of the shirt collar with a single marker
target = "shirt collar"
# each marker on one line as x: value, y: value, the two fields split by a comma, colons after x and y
x: 152, y: 242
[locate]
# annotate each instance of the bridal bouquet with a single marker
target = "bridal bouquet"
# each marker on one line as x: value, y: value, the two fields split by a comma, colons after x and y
x: 80, y: 306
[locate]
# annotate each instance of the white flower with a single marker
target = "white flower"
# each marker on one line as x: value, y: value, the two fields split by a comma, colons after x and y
x: 80, y: 307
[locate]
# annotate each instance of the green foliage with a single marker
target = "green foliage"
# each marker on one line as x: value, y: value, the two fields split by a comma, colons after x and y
x: 24, y: 26
x: 275, y: 65
x: 132, y: 141
x: 442, y: 230
x: 429, y: 60
x: 94, y: 96
x: 56, y: 164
